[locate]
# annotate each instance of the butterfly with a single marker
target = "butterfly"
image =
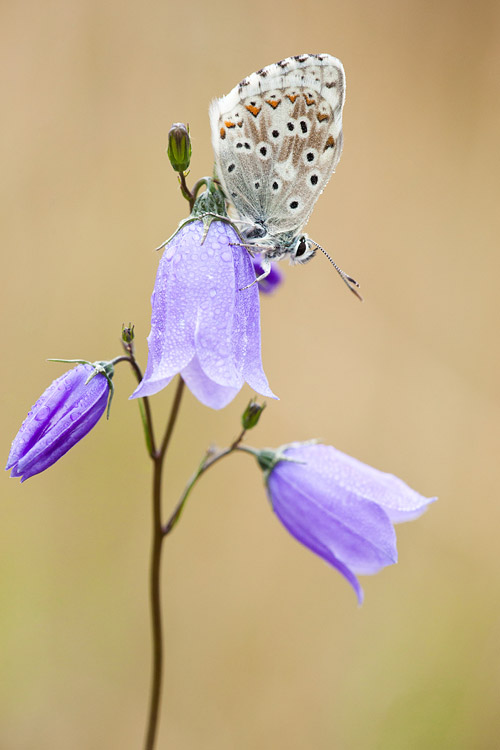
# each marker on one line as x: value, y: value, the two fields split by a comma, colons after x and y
x: 277, y: 138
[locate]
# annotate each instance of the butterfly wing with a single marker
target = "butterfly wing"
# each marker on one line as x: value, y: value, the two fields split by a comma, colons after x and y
x: 277, y: 139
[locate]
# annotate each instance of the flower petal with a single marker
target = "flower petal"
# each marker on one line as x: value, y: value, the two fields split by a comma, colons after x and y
x: 53, y: 445
x: 214, y: 337
x: 247, y: 325
x: 400, y: 502
x: 355, y: 531
x: 180, y: 289
x: 301, y: 533
x: 206, y: 390
x: 49, y: 405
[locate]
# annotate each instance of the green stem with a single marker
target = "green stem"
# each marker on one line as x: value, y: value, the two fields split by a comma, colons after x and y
x: 209, y: 460
x: 187, y: 193
x: 185, y: 190
x: 144, y: 405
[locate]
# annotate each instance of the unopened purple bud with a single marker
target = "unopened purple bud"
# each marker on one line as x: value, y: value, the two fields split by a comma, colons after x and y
x: 62, y: 416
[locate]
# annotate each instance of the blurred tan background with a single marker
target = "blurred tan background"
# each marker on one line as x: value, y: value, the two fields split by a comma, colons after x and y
x: 266, y: 647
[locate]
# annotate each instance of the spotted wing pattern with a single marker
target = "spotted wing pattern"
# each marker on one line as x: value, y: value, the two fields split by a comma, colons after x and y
x: 277, y: 139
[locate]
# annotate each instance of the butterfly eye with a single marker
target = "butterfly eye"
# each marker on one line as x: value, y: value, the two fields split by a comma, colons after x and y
x: 303, y: 250
x: 301, y: 247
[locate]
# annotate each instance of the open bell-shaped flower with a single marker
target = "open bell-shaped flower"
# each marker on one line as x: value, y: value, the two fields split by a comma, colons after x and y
x: 61, y: 417
x: 340, y: 508
x: 205, y: 322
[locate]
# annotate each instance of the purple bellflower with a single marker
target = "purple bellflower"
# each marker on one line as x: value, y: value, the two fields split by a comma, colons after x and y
x: 62, y: 416
x: 341, y: 509
x: 205, y: 322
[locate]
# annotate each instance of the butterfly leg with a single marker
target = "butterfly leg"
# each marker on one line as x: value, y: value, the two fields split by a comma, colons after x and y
x: 266, y: 266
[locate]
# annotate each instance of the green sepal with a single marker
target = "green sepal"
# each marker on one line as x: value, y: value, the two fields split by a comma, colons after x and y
x: 267, y: 458
x: 209, y: 206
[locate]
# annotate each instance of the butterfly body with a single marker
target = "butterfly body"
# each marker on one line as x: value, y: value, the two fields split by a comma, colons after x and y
x: 277, y: 138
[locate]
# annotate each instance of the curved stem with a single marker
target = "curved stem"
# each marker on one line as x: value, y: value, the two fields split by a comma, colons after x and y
x: 185, y: 190
x: 196, y: 189
x: 205, y: 464
x: 187, y: 193
x: 209, y: 460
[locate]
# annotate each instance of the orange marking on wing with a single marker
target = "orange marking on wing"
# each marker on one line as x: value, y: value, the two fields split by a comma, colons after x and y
x: 321, y: 117
x: 223, y: 133
x: 253, y: 110
x: 292, y: 97
x: 240, y: 124
x: 229, y: 124
x: 330, y: 143
x: 309, y: 101
x: 273, y: 102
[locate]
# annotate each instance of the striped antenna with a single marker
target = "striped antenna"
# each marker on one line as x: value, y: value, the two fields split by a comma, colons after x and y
x: 351, y: 283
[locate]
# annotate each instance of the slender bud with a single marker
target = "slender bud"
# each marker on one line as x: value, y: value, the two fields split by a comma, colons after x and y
x: 61, y: 417
x: 179, y: 147
x: 127, y: 333
x: 251, y: 415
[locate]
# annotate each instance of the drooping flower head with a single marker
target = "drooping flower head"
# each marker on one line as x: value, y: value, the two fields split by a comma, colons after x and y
x: 61, y: 417
x: 205, y: 322
x: 340, y: 508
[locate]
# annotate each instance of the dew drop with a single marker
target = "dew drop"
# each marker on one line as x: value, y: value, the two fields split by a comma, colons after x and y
x: 42, y: 414
x: 170, y: 251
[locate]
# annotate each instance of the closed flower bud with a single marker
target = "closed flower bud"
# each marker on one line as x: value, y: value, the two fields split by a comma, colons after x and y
x: 341, y: 509
x: 179, y: 147
x: 128, y: 333
x: 251, y: 415
x: 62, y: 416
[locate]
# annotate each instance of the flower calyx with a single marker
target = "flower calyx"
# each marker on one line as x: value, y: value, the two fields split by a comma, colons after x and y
x: 267, y: 458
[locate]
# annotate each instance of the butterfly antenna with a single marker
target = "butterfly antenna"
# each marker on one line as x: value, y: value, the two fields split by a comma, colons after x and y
x: 351, y: 283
